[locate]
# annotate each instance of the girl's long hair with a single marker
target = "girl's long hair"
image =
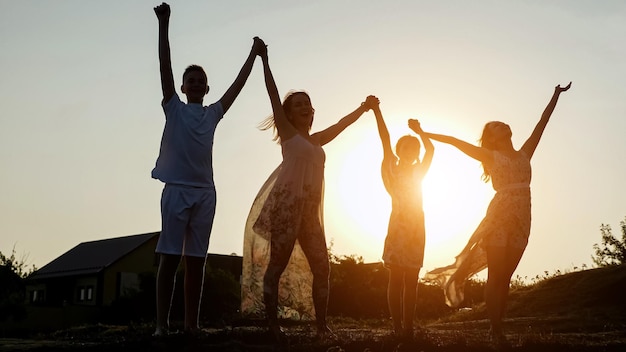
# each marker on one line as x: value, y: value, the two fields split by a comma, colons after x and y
x: 268, y: 122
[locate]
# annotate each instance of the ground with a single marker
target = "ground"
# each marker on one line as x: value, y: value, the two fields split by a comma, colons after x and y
x: 576, y: 312
x: 524, y: 334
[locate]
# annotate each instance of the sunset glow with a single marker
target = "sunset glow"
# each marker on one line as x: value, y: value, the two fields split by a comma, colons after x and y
x: 358, y: 207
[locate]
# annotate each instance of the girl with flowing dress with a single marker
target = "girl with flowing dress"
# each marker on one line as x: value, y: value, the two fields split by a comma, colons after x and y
x: 285, y: 262
x: 403, y: 253
x: 500, y: 239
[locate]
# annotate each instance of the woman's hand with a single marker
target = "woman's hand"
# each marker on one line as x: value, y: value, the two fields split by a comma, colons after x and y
x: 559, y: 89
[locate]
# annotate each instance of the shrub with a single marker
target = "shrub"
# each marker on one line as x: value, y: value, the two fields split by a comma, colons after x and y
x: 612, y: 251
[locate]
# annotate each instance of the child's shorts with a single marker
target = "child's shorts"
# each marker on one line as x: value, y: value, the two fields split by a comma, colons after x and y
x: 187, y: 215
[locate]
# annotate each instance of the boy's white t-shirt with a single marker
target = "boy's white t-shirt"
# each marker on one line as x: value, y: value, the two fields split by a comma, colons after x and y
x: 186, y: 153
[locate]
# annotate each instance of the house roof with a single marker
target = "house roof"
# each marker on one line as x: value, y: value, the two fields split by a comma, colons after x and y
x: 91, y: 257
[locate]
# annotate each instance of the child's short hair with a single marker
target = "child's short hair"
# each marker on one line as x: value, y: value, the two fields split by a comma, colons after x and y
x: 192, y: 68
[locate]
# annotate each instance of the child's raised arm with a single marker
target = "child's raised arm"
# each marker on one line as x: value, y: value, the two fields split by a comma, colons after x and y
x: 429, y: 148
x: 383, y: 132
x: 167, y: 77
x: 235, y: 88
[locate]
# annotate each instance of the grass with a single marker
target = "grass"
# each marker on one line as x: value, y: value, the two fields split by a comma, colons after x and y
x: 578, y: 311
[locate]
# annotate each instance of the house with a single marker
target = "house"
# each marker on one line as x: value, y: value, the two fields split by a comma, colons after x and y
x: 93, y: 275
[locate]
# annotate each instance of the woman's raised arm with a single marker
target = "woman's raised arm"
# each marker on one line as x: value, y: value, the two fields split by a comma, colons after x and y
x: 333, y: 131
x: 531, y: 143
x: 481, y: 154
x: 283, y: 126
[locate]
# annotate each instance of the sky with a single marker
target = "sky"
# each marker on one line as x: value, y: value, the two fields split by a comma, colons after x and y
x: 81, y: 121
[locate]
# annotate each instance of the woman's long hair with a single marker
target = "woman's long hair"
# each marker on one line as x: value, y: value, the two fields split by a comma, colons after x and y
x: 268, y: 122
x: 487, y: 141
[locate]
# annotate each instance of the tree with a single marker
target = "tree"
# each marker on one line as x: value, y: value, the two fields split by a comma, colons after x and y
x: 13, y: 271
x: 18, y: 266
x: 612, y: 251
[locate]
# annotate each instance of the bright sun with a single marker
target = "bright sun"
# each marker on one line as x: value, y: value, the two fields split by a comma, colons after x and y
x: 357, y: 207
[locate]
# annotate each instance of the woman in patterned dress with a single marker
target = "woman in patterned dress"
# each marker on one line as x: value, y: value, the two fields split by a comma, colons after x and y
x: 403, y: 254
x: 284, y: 233
x: 501, y: 238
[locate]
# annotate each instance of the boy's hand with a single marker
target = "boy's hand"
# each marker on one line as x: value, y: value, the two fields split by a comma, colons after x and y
x: 259, y: 47
x: 162, y: 11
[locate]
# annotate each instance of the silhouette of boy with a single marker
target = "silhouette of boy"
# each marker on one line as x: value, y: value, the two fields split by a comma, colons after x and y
x: 185, y: 166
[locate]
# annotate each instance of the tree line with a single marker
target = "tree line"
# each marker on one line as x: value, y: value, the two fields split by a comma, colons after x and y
x: 357, y: 289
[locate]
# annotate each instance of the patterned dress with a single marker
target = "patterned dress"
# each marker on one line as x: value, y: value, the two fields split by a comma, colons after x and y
x: 287, y: 217
x: 405, y: 241
x: 506, y: 224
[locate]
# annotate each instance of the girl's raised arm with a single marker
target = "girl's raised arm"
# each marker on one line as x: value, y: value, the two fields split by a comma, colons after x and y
x: 531, y: 143
x: 429, y: 148
x: 383, y: 132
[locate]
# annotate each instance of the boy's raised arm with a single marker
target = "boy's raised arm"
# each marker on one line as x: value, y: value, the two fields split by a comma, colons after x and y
x: 167, y: 77
x: 235, y: 88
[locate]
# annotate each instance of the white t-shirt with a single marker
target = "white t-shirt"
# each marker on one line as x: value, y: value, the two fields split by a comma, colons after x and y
x: 186, y: 154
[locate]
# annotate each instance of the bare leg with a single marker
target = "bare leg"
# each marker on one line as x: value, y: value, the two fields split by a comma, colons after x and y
x: 321, y: 276
x: 166, y: 277
x: 194, y: 279
x: 280, y: 251
x: 493, y: 287
x: 270, y: 288
x: 313, y: 245
x: 501, y: 262
x: 410, y: 295
x: 513, y: 257
x: 394, y: 298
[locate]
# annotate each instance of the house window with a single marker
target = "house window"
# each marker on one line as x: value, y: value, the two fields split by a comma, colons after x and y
x: 37, y: 296
x: 85, y: 293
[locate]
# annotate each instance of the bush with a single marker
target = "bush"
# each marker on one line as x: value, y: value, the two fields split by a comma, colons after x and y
x: 357, y: 290
x: 612, y: 251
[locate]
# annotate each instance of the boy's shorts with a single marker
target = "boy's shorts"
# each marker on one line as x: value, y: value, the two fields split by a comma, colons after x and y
x: 187, y: 215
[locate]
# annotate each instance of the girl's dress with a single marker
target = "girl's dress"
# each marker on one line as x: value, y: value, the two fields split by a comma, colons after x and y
x: 405, y: 241
x: 506, y: 224
x: 289, y: 204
